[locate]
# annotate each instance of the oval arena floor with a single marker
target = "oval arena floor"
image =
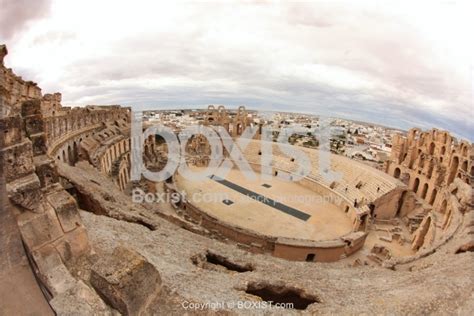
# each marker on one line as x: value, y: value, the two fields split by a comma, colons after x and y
x: 271, y: 207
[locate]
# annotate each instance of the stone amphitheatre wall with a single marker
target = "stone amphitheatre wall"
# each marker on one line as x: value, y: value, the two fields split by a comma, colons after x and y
x: 47, y: 216
x: 36, y: 133
x: 428, y: 162
x: 66, y: 131
x: 438, y: 172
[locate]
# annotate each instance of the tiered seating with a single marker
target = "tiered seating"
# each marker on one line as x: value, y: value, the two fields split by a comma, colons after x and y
x: 374, y: 183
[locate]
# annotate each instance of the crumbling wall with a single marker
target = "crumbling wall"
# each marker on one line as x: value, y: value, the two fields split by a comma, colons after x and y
x: 47, y: 216
x: 437, y: 168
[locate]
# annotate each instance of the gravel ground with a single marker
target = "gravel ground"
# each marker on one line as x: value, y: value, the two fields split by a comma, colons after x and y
x: 439, y: 284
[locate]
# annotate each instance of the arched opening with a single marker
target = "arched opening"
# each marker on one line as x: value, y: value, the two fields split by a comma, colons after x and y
x: 64, y: 156
x: 453, y: 169
x: 433, y: 196
x: 464, y: 166
x: 443, y: 150
x: 69, y: 154
x: 432, y: 148
x: 424, y: 191
x: 239, y: 129
x: 406, y: 178
x: 74, y: 153
x: 396, y: 173
x: 372, y: 211
x: 416, y: 184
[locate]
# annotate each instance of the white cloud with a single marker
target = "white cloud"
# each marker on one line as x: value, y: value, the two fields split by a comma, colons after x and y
x: 361, y: 58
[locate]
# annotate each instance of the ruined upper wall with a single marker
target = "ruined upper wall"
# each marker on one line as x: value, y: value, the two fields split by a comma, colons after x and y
x: 434, y: 153
x: 15, y: 90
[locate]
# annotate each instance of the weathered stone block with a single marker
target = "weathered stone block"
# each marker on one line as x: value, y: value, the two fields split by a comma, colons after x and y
x: 10, y: 129
x: 126, y: 281
x: 45, y: 170
x: 73, y: 244
x: 39, y: 229
x: 34, y: 124
x: 25, y: 192
x: 66, y: 210
x: 80, y: 300
x: 52, y: 270
x: 17, y: 161
x: 31, y: 107
x: 39, y: 144
x: 46, y: 258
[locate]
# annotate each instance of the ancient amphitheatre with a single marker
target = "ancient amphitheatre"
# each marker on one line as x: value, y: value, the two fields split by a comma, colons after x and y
x: 391, y: 241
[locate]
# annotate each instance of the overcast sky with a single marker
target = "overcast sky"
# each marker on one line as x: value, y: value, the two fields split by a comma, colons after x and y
x: 391, y: 62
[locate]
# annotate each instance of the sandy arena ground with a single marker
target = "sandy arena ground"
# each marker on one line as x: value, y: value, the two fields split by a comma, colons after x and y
x: 326, y: 221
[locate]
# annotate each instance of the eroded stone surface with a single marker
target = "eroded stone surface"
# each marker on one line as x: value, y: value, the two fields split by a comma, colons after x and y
x: 126, y: 280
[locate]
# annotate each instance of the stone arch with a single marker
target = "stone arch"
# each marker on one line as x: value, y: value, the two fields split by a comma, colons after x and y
x: 453, y: 169
x: 433, y: 196
x: 464, y: 165
x: 432, y: 148
x: 74, y: 152
x: 406, y: 178
x: 239, y: 128
x: 416, y: 184
x: 443, y: 150
x: 396, y: 173
x: 424, y: 191
x: 70, y: 154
